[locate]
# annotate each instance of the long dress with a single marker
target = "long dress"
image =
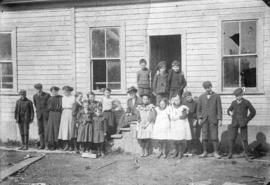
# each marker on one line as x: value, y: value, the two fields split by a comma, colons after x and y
x: 162, y: 124
x: 65, y: 130
x: 55, y: 109
x: 146, y: 119
x: 85, y: 130
x: 180, y: 129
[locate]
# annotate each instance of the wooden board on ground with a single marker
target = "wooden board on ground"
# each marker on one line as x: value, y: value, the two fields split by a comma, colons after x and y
x: 11, y: 170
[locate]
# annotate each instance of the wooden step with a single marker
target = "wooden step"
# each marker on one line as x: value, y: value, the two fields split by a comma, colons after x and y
x: 117, y: 136
x: 125, y: 129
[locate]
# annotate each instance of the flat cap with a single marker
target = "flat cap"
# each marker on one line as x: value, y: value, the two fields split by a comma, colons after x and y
x: 238, y: 91
x: 187, y: 93
x: 132, y: 89
x: 22, y: 92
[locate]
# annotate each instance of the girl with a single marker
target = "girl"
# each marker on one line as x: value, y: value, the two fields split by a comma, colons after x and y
x: 92, y: 103
x: 76, y: 108
x: 146, y: 119
x: 160, y: 85
x: 131, y: 112
x: 107, y: 111
x: 162, y: 126
x: 55, y: 109
x: 118, y: 111
x: 65, y: 130
x: 180, y: 130
x: 85, y: 130
x: 99, y: 129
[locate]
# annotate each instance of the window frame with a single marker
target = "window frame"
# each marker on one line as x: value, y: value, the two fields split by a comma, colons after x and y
x: 12, y: 31
x: 121, y: 57
x: 259, y: 52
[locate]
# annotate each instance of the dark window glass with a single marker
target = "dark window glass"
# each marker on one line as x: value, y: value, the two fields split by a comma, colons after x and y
x: 5, y: 46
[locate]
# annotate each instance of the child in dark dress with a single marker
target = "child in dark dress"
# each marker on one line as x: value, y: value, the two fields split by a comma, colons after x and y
x: 85, y: 129
x: 99, y: 131
x: 192, y: 119
x: 76, y: 108
x: 24, y: 115
x: 55, y: 109
x: 241, y: 111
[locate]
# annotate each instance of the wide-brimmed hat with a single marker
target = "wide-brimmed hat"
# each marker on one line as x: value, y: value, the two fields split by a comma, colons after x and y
x: 132, y: 89
x: 67, y: 88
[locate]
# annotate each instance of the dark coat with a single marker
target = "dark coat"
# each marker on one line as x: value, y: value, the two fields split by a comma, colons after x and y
x: 240, y: 115
x: 176, y: 80
x: 41, y: 104
x: 132, y: 108
x: 76, y: 108
x: 99, y: 129
x: 24, y: 111
x: 209, y: 109
x: 160, y: 83
x: 192, y: 113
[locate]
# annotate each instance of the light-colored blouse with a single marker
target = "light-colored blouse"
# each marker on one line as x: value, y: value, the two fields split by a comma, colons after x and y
x: 67, y: 102
x: 106, y: 103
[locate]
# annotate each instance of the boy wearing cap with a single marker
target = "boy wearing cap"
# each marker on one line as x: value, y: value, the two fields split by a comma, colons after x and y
x: 176, y: 80
x: 192, y: 119
x: 240, y: 117
x: 41, y: 103
x: 143, y: 78
x: 24, y: 115
x: 209, y: 113
x: 160, y: 82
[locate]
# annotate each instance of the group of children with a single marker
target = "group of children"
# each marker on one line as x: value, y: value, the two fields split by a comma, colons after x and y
x: 81, y: 123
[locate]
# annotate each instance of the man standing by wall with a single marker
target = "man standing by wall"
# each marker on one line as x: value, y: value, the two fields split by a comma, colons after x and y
x: 40, y: 102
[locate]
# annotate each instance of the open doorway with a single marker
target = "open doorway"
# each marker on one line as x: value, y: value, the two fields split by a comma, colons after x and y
x: 164, y: 47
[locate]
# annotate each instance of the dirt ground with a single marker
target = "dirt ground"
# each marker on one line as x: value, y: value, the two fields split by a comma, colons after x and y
x: 72, y: 169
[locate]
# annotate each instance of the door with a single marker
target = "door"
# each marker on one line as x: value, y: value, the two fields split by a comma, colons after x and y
x: 164, y: 48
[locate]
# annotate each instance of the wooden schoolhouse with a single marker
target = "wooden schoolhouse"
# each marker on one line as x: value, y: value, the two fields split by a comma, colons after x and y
x: 92, y: 44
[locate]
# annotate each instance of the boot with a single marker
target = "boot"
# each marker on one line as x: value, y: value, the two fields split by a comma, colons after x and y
x: 204, y: 154
x: 66, y: 146
x: 75, y: 146
x: 41, y: 141
x: 71, y: 146
x: 215, y: 145
x: 230, y: 149
x: 23, y: 143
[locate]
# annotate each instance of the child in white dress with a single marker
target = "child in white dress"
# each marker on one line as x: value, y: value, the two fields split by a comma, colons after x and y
x: 146, y: 119
x: 162, y: 126
x: 180, y: 129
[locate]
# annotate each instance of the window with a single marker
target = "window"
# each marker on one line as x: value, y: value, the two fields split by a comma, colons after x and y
x: 239, y: 54
x: 106, y: 58
x: 6, y: 61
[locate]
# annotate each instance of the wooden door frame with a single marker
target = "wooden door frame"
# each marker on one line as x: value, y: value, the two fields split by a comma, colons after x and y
x: 163, y: 32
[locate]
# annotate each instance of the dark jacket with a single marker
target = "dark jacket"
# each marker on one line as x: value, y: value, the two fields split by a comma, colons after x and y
x: 240, y: 112
x: 55, y: 103
x: 143, y: 78
x: 76, y: 108
x: 132, y: 108
x: 176, y: 80
x: 24, y: 111
x: 41, y: 104
x: 192, y: 113
x: 209, y: 109
x: 160, y: 83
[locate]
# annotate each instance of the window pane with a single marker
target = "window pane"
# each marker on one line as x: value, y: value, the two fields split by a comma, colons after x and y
x: 98, y: 43
x: 99, y: 74
x: 5, y: 46
x: 248, y: 37
x: 6, y: 75
x: 114, y: 74
x: 112, y: 42
x: 231, y: 38
x: 248, y: 71
x: 231, y: 71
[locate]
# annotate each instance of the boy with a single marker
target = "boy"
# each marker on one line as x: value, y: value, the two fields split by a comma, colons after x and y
x: 239, y: 112
x: 24, y: 115
x: 41, y: 102
x: 176, y: 80
x: 192, y: 119
x: 143, y: 78
x: 209, y: 113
